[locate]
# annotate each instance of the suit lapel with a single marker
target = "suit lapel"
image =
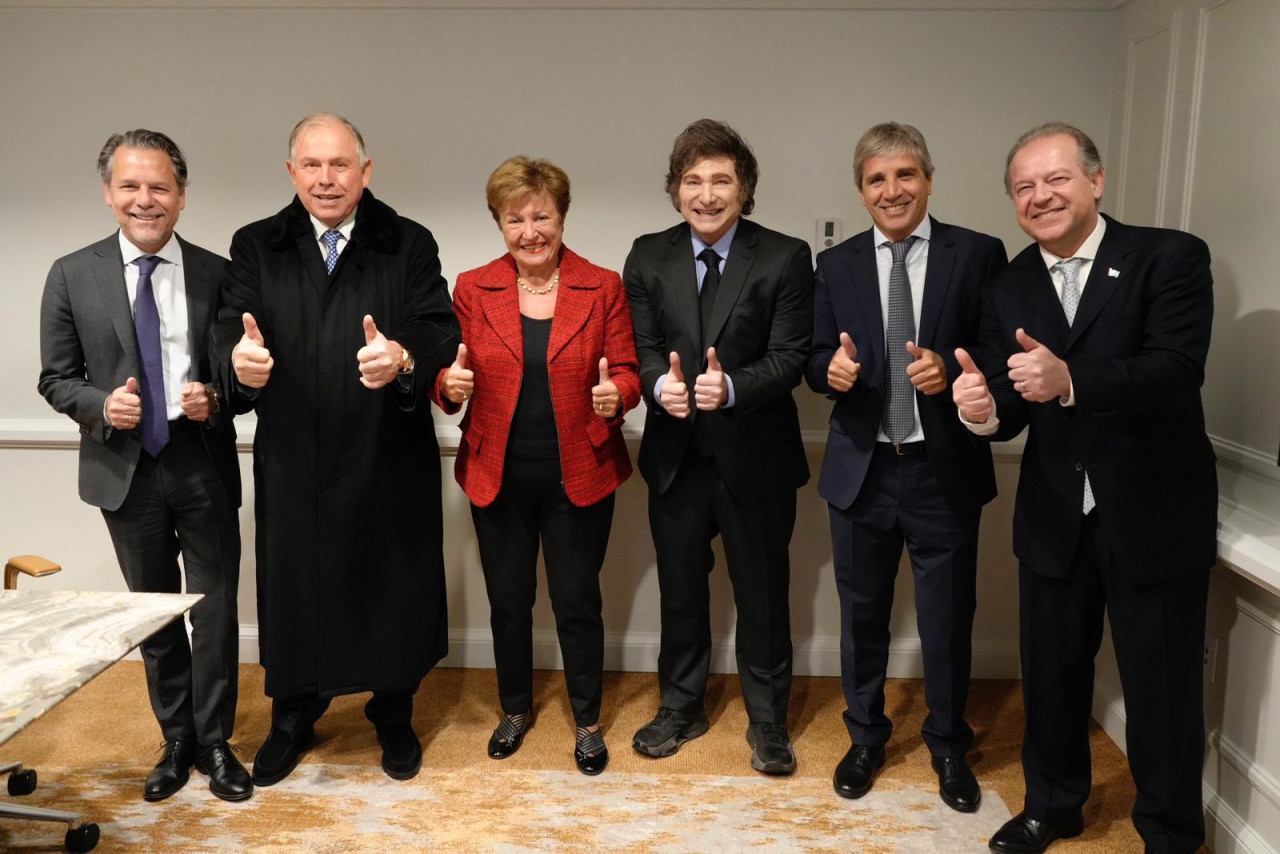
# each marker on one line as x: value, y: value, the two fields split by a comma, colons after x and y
x: 1102, y: 284
x: 108, y: 276
x: 199, y: 287
x: 865, y: 294
x: 309, y: 252
x: 573, y: 305
x: 501, y: 307
x: 683, y: 278
x: 937, y: 280
x: 1043, y: 299
x: 742, y: 254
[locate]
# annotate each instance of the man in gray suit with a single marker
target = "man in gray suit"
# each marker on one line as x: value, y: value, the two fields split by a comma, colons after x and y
x: 124, y: 331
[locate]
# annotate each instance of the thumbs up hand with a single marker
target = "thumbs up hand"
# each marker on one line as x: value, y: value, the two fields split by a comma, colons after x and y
x: 457, y: 383
x: 379, y: 358
x: 1036, y: 373
x: 675, y: 394
x: 123, y: 407
x: 842, y: 372
x: 605, y: 397
x: 250, y: 358
x: 927, y: 371
x: 970, y: 392
x: 710, y: 390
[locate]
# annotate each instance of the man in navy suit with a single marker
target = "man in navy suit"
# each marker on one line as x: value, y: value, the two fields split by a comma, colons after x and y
x: 891, y: 305
x: 124, y: 341
x: 1108, y: 326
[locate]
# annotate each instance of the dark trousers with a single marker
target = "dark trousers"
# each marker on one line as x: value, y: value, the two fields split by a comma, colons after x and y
x: 176, y: 506
x: 684, y: 520
x: 902, y: 502
x: 1158, y: 632
x: 531, y: 508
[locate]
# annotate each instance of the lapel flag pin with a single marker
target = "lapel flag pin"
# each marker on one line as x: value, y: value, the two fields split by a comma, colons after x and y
x: 1113, y: 273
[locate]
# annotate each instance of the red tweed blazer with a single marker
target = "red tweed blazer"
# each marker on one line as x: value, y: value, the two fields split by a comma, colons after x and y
x: 591, y: 320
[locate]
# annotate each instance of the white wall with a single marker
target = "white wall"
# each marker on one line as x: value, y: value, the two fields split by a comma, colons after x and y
x: 1195, y: 116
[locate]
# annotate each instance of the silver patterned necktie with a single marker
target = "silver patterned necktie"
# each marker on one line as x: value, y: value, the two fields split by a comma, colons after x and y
x: 1070, y: 269
x: 899, y: 417
x: 331, y: 238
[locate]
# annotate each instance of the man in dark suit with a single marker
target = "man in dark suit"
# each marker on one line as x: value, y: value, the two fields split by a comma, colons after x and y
x: 728, y: 304
x: 1108, y: 326
x: 124, y: 332
x: 891, y: 305
x: 332, y: 310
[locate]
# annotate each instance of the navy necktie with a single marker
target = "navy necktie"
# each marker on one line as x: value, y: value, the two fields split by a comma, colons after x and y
x: 154, y: 426
x: 899, y: 417
x: 331, y: 238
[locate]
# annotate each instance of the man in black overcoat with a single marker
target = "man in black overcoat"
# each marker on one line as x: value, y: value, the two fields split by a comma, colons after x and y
x: 334, y: 309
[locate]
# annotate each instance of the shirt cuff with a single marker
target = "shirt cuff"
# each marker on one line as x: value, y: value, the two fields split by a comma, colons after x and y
x: 986, y: 428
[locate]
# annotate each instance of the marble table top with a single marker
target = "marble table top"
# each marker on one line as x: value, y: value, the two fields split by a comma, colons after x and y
x: 54, y: 641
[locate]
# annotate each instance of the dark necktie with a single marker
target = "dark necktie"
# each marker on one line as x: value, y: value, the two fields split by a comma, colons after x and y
x: 707, y: 296
x: 899, y: 412
x: 154, y: 427
x: 331, y: 238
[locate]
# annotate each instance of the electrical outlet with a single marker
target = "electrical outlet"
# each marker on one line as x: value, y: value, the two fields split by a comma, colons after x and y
x: 1210, y: 657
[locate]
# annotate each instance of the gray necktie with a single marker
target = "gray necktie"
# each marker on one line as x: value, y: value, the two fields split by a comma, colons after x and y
x: 154, y: 426
x: 899, y: 412
x: 1070, y: 269
x: 331, y: 238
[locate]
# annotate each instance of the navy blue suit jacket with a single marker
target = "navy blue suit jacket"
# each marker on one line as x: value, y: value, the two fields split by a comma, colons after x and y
x: 847, y: 299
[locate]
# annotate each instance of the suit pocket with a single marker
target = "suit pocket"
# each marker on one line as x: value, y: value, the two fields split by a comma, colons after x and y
x: 473, y: 438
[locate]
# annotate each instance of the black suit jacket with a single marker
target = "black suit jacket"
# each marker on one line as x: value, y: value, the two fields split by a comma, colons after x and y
x: 847, y: 299
x: 760, y: 326
x: 88, y: 348
x: 1136, y: 353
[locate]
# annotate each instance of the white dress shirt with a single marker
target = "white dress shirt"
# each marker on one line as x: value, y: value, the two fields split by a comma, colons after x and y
x: 917, y: 261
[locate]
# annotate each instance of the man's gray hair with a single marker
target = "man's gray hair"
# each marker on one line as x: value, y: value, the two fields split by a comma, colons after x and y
x: 1090, y: 162
x: 326, y: 120
x: 886, y: 140
x: 146, y: 139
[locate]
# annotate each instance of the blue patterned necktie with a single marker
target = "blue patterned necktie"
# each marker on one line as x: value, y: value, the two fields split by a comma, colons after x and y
x: 154, y: 426
x: 331, y: 238
x: 899, y: 416
x: 1070, y: 269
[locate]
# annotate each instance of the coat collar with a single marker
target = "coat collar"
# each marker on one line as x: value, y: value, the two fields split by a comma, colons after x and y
x: 377, y: 225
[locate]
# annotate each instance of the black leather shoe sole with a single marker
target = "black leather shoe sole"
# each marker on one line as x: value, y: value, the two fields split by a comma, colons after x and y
x: 696, y: 727
x: 1019, y: 835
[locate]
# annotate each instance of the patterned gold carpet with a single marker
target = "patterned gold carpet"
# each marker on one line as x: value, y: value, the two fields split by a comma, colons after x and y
x: 94, y: 750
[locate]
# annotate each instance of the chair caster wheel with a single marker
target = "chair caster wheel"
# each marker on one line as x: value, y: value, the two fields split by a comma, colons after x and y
x: 82, y: 838
x: 22, y: 782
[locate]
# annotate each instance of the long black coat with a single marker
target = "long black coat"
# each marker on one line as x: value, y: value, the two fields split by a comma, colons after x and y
x: 351, y: 593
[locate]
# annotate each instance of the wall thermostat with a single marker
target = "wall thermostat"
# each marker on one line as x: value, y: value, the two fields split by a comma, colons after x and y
x: 828, y: 233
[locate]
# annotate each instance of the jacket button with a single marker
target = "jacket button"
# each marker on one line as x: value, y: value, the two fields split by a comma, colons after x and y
x: 1079, y: 466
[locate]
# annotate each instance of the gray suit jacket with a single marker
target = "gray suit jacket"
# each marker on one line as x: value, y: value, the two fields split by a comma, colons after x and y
x: 88, y: 348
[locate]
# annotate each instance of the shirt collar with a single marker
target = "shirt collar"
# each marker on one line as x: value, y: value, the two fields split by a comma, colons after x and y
x: 345, y: 226
x: 170, y: 252
x: 721, y: 246
x: 924, y: 231
x: 1088, y: 250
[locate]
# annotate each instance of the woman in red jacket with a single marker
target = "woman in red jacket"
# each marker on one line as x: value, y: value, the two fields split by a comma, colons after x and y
x: 547, y: 368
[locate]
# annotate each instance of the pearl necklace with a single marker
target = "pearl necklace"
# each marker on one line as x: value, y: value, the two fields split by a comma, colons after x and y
x: 555, y: 280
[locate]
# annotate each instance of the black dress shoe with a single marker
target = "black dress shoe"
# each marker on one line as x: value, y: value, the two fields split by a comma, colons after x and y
x: 856, y: 771
x: 590, y: 752
x: 172, y: 771
x: 1025, y: 835
x: 279, y: 755
x: 956, y: 783
x: 401, y: 751
x: 771, y: 751
x: 227, y: 777
x: 663, y: 735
